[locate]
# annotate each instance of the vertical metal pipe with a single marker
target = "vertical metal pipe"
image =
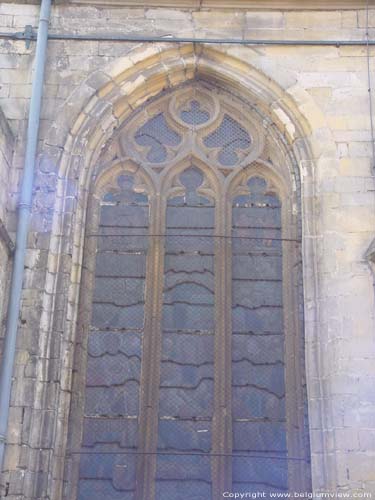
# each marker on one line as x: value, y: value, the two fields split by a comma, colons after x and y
x: 6, y: 369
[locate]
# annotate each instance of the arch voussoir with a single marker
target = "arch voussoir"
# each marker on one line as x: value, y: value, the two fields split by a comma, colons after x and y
x: 123, y: 87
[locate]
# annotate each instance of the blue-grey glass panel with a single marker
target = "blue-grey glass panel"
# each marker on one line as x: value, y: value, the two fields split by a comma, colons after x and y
x: 230, y: 137
x: 114, y: 348
x: 181, y: 490
x: 156, y: 134
x: 263, y: 376
x: 178, y: 246
x: 259, y: 217
x: 105, y: 431
x: 180, y: 217
x: 178, y: 346
x: 98, y: 489
x: 113, y: 343
x: 119, y: 291
x: 119, y: 239
x: 256, y: 266
x: 254, y: 489
x: 258, y: 347
x: 113, y: 400
x: 186, y: 467
x: 192, y: 316
x: 261, y: 319
x: 116, y: 316
x: 188, y: 401
x: 118, y: 265
x: 194, y: 265
x: 259, y: 436
x: 258, y: 293
x: 109, y: 370
x: 184, y: 435
x: 194, y: 115
x: 260, y: 474
x: 258, y: 378
x: 253, y: 402
x: 124, y: 216
x: 107, y: 476
x: 187, y: 362
x: 182, y: 477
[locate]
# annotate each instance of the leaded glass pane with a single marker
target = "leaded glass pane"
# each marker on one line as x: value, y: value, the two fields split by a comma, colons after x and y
x: 230, y: 137
x: 258, y: 381
x: 114, y: 350
x: 157, y: 135
x: 186, y: 385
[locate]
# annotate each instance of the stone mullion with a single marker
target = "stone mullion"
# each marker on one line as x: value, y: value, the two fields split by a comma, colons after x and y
x: 222, y: 419
x: 151, y: 353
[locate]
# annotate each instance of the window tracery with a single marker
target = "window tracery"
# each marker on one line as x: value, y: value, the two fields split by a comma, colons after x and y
x: 188, y: 342
x: 194, y: 120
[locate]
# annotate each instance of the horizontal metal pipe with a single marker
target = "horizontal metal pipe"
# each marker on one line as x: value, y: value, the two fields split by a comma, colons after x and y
x: 172, y: 39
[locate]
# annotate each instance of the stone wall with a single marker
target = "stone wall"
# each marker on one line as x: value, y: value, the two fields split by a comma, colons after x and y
x: 6, y: 243
x: 316, y: 97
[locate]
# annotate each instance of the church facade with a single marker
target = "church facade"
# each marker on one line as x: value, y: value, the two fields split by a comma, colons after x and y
x: 197, y: 314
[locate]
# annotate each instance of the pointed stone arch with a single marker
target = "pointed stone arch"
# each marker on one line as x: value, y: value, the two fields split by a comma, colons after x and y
x: 294, y: 122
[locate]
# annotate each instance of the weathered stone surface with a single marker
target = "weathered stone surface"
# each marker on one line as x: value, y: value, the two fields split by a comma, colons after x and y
x: 309, y: 95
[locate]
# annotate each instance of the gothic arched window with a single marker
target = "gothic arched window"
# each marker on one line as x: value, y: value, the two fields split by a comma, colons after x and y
x: 190, y: 354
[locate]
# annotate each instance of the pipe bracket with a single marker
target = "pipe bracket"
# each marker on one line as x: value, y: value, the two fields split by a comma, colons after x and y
x: 28, y: 35
x: 24, y: 206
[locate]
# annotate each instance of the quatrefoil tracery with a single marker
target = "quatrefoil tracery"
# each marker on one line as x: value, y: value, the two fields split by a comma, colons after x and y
x: 197, y: 121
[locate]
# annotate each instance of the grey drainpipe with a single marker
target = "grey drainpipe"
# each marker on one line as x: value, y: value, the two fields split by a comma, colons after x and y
x: 24, y: 210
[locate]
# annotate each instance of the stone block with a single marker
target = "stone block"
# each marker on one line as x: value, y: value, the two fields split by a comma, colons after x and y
x: 346, y: 439
x: 322, y: 20
x: 20, y: 21
x: 15, y: 425
x: 357, y: 199
x: 15, y: 76
x: 349, y: 185
x: 333, y: 79
x: 349, y: 102
x: 80, y: 49
x: 362, y: 18
x: 352, y: 135
x: 16, y: 479
x: 6, y: 21
x: 262, y: 20
x: 23, y: 91
x: 367, y: 439
x: 9, y: 61
x: 355, y: 166
x: 360, y: 149
x: 349, y: 18
x: 12, y: 456
x: 4, y: 90
x: 168, y: 14
x: 216, y: 22
x: 360, y: 466
x: 19, y: 9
